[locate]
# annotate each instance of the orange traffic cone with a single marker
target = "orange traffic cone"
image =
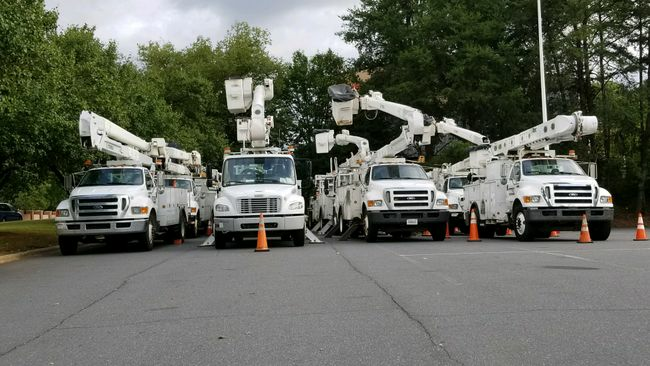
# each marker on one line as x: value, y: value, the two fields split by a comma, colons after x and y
x: 262, y: 245
x: 426, y: 233
x: 555, y: 234
x: 640, y: 229
x: 584, y: 231
x: 447, y: 236
x: 178, y: 241
x: 208, y: 230
x: 473, y: 227
x: 508, y: 231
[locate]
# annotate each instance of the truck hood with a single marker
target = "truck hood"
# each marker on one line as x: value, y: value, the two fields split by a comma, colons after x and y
x: 106, y: 190
x: 559, y: 179
x: 259, y: 190
x: 404, y: 184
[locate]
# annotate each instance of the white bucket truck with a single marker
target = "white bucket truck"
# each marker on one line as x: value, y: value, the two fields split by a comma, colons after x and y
x: 123, y: 200
x: 259, y: 179
x: 382, y: 192
x: 529, y: 189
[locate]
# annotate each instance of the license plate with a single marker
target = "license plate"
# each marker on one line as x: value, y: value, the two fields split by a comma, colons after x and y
x: 411, y: 221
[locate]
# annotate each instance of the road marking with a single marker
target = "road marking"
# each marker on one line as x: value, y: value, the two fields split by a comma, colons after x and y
x: 462, y: 253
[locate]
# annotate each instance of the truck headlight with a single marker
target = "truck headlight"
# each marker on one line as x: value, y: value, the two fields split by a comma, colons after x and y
x: 606, y: 199
x: 139, y: 210
x: 453, y: 206
x: 66, y: 213
x: 222, y: 208
x: 442, y: 202
x: 296, y: 206
x: 532, y: 199
x: 375, y: 203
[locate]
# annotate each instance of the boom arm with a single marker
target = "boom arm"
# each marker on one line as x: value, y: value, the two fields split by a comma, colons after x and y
x: 326, y: 140
x: 99, y: 133
x: 558, y: 129
x: 240, y: 96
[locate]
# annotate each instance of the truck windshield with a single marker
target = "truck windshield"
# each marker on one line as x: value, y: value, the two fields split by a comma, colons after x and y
x: 179, y: 183
x: 457, y: 182
x: 259, y: 169
x: 551, y: 167
x: 112, y: 177
x: 380, y: 172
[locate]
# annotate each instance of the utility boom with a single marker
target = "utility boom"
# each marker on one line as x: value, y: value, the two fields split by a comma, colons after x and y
x: 240, y: 97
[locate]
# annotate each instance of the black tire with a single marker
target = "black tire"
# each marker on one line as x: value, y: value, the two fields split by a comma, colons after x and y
x: 438, y: 231
x: 193, y: 229
x: 341, y: 223
x: 68, y: 245
x: 298, y: 237
x: 600, y: 230
x: 369, y: 229
x: 179, y: 233
x: 523, y: 231
x: 146, y: 238
x: 220, y: 240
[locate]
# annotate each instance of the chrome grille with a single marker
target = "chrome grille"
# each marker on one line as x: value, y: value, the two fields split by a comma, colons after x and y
x: 573, y: 194
x: 258, y: 205
x: 96, y: 206
x: 409, y: 198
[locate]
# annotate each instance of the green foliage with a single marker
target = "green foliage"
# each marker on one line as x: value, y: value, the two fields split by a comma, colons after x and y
x: 40, y: 196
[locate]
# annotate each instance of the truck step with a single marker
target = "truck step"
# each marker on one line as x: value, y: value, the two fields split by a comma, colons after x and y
x: 325, y: 228
x: 208, y: 242
x: 312, y: 237
x: 317, y: 226
x: 351, y: 229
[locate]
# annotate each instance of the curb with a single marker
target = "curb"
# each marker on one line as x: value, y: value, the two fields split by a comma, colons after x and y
x: 16, y: 256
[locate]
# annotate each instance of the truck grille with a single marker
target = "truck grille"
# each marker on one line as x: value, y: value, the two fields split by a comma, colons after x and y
x: 409, y: 198
x: 96, y: 206
x: 573, y: 194
x: 258, y: 205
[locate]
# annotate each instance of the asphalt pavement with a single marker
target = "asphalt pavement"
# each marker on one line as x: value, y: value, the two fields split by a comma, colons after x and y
x: 407, y: 302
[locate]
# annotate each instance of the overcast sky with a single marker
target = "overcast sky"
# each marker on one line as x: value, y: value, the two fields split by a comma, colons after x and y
x: 308, y: 25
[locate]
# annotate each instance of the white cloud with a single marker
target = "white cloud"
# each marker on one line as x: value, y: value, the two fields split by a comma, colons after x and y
x: 307, y: 25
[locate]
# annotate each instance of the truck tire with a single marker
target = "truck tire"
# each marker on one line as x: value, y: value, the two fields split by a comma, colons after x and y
x: 601, y: 231
x: 369, y: 230
x: 68, y: 245
x: 220, y: 240
x: 438, y: 231
x: 180, y: 229
x: 523, y: 230
x: 145, y: 239
x: 193, y: 229
x: 298, y: 237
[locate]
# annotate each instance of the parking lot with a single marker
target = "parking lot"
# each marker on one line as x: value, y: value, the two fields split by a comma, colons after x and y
x: 412, y: 302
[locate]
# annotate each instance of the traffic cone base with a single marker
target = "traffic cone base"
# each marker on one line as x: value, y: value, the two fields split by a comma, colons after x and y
x: 585, y: 238
x: 262, y: 245
x: 178, y: 241
x: 508, y: 231
x: 426, y: 233
x: 555, y: 234
x: 473, y: 227
x: 640, y: 230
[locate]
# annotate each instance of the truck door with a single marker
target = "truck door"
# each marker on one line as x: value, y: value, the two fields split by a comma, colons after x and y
x: 512, y: 184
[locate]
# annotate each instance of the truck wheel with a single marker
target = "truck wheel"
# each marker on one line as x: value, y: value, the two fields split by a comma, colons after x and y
x: 600, y: 231
x: 523, y: 231
x: 145, y: 238
x: 438, y: 231
x: 193, y: 229
x: 298, y: 237
x: 68, y: 245
x: 180, y: 230
x: 220, y: 240
x: 369, y: 230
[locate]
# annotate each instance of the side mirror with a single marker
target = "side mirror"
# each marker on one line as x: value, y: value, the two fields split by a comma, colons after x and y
x: 68, y: 183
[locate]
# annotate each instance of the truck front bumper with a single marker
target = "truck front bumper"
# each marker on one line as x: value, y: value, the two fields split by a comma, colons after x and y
x: 251, y: 223
x: 568, y: 216
x: 90, y: 228
x: 407, y: 220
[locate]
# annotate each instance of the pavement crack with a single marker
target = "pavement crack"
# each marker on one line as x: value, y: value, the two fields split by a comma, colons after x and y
x: 48, y: 330
x: 402, y: 308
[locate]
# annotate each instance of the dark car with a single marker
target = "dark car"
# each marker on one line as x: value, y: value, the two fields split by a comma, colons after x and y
x: 9, y: 213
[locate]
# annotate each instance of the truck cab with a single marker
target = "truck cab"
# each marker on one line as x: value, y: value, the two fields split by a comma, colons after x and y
x: 254, y: 184
x: 452, y: 186
x: 399, y: 198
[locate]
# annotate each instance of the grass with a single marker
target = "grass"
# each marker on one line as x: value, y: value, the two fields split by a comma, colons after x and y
x: 19, y: 236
